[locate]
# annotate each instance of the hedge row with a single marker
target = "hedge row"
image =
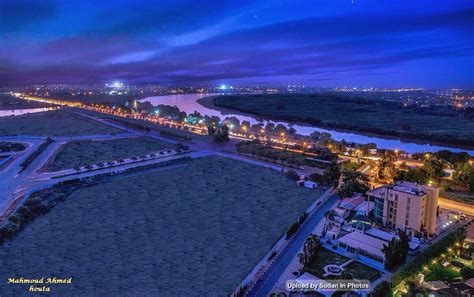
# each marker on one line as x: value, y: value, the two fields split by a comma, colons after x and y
x: 296, y: 225
x: 175, y: 135
x: 35, y: 154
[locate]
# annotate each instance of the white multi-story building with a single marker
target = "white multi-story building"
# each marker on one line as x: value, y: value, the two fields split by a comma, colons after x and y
x: 406, y: 206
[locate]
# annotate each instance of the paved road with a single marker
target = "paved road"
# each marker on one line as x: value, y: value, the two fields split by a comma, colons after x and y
x: 268, y: 281
x: 456, y: 206
x: 14, y: 184
x: 226, y: 149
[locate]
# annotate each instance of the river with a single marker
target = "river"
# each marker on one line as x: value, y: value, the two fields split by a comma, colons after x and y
x: 11, y: 112
x: 189, y: 104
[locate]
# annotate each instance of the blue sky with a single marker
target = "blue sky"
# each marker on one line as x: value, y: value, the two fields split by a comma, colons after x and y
x: 320, y: 43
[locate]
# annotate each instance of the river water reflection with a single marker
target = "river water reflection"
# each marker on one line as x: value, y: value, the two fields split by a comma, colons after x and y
x: 189, y: 104
x: 10, y: 112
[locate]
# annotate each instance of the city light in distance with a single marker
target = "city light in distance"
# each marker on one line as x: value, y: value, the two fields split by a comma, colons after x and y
x: 115, y: 84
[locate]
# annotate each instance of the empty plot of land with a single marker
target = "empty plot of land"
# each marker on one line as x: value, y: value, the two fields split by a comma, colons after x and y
x: 196, y: 230
x: 52, y: 123
x: 83, y: 153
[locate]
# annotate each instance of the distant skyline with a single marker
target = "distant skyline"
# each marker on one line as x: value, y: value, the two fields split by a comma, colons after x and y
x: 365, y: 43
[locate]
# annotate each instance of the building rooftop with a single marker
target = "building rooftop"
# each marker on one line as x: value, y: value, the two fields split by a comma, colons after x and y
x: 400, y: 186
x: 408, y: 188
x: 351, y: 203
x: 380, y: 234
x: 377, y: 192
x: 365, y: 242
x: 387, y: 236
x: 365, y: 206
x: 361, y: 218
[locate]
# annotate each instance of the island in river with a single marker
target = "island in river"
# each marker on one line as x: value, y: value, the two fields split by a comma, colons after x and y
x: 436, y: 124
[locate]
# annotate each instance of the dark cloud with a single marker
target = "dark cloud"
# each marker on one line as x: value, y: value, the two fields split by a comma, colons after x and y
x: 20, y: 14
x: 133, y: 42
x: 164, y: 17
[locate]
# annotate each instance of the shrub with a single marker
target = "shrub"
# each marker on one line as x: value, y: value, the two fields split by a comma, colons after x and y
x: 467, y: 272
x: 296, y: 225
x: 35, y: 154
x: 292, y: 230
x: 175, y: 135
x: 8, y: 230
x: 292, y: 174
x: 383, y: 289
x: 434, y: 251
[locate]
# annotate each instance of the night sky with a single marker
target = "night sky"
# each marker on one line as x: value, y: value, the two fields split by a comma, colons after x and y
x: 416, y: 43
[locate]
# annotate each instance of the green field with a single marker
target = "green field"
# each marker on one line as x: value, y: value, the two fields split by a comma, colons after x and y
x: 438, y: 272
x: 52, y: 123
x: 460, y: 196
x: 83, y: 153
x: 360, y: 271
x: 437, y: 124
x: 185, y: 231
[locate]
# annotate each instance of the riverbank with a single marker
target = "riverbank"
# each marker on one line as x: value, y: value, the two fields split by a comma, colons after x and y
x: 209, y: 102
x: 9, y: 103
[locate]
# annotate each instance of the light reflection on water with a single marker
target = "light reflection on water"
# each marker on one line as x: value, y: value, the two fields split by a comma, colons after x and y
x: 189, y: 104
x: 11, y: 112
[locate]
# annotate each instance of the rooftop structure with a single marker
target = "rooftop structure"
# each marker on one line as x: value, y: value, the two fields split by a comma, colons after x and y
x: 355, y: 205
x: 369, y: 243
x: 364, y: 245
x: 352, y: 202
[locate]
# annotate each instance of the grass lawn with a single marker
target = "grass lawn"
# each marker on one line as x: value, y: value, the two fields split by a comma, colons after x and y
x: 443, y: 125
x: 438, y: 272
x: 350, y: 165
x: 325, y: 257
x: 82, y: 153
x: 193, y: 230
x: 360, y: 271
x: 52, y: 123
x: 460, y: 196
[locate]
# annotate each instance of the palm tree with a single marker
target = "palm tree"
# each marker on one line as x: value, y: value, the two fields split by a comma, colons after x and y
x: 330, y: 214
x: 304, y: 258
x: 310, y: 249
x: 313, y: 242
